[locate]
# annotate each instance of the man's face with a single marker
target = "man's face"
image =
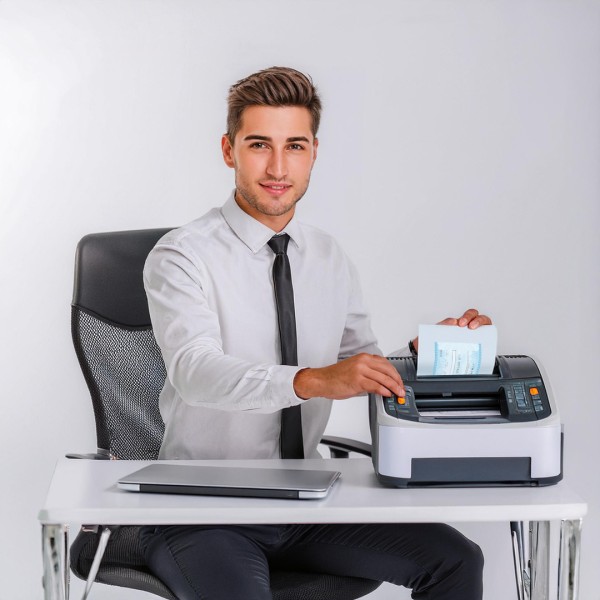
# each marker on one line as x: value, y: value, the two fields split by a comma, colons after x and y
x: 273, y: 154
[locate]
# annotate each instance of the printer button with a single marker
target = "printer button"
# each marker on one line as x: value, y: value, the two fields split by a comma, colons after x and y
x: 401, y: 400
x: 534, y: 391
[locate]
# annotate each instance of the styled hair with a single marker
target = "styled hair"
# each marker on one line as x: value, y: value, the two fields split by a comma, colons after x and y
x: 276, y: 86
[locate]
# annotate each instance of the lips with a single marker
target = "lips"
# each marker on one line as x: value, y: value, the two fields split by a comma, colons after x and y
x: 275, y: 188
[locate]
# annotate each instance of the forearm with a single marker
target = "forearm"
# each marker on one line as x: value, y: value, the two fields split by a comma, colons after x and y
x: 350, y: 377
x: 206, y: 377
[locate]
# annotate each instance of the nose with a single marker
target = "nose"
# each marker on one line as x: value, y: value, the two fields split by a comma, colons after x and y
x: 277, y: 165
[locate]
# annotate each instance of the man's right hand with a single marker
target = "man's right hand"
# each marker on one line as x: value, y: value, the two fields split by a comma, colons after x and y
x: 350, y: 377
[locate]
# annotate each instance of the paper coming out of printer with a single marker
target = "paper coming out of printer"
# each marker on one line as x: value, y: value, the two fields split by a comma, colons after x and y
x: 448, y: 350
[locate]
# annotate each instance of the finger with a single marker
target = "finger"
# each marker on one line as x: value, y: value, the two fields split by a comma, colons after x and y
x: 382, y: 390
x: 385, y: 384
x: 467, y: 317
x: 385, y: 367
x: 480, y: 320
x: 449, y: 321
x: 379, y: 376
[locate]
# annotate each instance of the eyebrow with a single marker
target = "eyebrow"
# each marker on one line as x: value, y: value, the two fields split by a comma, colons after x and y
x: 264, y: 138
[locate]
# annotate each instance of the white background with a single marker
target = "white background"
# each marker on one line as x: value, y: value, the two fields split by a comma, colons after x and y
x: 459, y: 165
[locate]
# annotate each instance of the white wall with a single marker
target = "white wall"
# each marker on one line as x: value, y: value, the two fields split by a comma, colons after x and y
x: 459, y: 165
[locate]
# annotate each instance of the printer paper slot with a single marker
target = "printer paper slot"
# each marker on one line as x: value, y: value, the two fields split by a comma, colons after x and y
x: 461, y: 406
x: 459, y: 402
x: 461, y: 414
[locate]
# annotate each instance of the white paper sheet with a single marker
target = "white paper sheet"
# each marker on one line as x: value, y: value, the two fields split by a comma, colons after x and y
x: 451, y: 350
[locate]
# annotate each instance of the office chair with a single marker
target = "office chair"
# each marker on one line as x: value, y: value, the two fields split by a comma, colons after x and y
x: 124, y: 371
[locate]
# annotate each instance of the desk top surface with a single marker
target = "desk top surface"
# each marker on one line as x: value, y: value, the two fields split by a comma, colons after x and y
x: 85, y: 491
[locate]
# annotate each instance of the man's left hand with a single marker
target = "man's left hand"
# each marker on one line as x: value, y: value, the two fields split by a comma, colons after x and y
x: 471, y: 319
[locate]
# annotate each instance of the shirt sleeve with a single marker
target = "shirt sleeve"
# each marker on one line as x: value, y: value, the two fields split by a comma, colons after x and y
x: 188, y: 333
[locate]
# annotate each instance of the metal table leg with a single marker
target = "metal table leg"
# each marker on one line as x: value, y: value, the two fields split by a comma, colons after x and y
x: 568, y: 560
x: 531, y: 555
x: 532, y: 560
x: 521, y: 570
x: 539, y: 559
x: 55, y: 541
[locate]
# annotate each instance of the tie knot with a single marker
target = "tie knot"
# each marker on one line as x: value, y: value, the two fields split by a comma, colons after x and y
x: 279, y: 243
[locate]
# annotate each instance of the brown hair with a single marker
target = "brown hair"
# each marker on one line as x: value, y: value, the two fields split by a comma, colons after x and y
x: 276, y: 86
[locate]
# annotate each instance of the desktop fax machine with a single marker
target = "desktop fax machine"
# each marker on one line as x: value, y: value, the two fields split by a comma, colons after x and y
x: 475, y: 430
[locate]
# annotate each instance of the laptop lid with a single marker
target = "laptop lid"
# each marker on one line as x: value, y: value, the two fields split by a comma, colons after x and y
x: 230, y: 481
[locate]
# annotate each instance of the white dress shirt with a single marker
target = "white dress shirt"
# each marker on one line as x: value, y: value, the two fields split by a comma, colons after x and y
x: 212, y: 305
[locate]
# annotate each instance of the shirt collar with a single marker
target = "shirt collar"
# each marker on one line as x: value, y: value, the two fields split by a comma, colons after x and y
x: 252, y: 232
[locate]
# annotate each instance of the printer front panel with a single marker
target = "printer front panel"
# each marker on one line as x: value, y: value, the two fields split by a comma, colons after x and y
x: 499, y: 429
x: 541, y: 446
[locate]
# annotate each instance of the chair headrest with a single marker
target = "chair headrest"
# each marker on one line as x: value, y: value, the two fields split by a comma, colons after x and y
x: 108, y: 275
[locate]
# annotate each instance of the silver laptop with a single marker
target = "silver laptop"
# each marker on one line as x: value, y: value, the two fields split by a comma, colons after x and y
x: 230, y: 481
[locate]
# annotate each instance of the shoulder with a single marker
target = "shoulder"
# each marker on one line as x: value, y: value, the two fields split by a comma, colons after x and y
x: 194, y: 233
x: 324, y: 256
x: 321, y: 242
x: 185, y: 246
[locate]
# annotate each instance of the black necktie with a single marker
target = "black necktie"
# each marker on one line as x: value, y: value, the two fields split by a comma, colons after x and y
x: 291, y: 419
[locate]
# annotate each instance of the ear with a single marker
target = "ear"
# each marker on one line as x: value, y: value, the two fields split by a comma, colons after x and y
x: 315, y: 148
x: 227, y: 149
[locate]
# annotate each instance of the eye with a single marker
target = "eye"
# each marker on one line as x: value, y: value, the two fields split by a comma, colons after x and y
x: 296, y: 147
x: 258, y: 145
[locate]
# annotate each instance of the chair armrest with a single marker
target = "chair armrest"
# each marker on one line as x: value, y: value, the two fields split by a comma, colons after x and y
x: 101, y: 454
x: 340, y: 447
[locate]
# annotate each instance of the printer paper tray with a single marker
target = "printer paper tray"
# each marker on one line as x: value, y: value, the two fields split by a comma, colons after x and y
x: 470, y: 472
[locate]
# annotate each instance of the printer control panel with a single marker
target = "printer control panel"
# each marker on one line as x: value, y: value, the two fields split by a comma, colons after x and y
x: 402, y: 408
x: 527, y: 399
x: 514, y: 392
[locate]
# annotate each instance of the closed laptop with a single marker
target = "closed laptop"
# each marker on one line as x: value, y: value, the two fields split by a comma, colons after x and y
x: 230, y: 481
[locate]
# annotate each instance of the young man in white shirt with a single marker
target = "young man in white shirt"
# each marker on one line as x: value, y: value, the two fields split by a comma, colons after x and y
x: 212, y: 302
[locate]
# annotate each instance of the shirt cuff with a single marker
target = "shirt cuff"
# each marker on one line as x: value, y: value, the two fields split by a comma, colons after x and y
x: 282, y: 391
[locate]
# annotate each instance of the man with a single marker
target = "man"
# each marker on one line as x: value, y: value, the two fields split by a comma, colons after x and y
x: 213, y: 304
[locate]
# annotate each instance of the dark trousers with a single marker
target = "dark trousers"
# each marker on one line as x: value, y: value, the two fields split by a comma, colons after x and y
x: 232, y: 562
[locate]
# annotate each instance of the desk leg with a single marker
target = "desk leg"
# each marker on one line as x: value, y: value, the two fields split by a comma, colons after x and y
x: 518, y: 547
x: 55, y: 541
x: 568, y: 560
x: 539, y: 559
x: 532, y: 559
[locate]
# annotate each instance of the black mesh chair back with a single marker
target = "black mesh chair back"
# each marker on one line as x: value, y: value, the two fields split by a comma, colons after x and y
x: 113, y: 339
x: 124, y: 371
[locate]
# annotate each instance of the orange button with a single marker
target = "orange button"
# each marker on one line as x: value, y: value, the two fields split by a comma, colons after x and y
x: 534, y: 391
x: 401, y: 400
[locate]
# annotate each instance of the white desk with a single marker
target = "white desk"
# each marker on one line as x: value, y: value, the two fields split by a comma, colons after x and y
x: 85, y: 491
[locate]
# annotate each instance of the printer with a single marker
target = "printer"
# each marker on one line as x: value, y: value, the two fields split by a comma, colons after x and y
x: 501, y: 429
